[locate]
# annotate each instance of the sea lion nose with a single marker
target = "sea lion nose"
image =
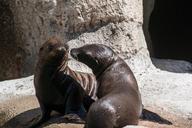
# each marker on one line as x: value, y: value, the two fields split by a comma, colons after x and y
x: 61, y: 49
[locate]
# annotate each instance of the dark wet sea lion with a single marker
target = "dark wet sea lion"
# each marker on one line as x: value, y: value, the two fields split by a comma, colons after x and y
x: 119, y: 101
x: 57, y: 86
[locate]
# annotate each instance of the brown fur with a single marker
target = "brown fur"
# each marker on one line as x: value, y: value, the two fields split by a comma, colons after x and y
x: 57, y: 86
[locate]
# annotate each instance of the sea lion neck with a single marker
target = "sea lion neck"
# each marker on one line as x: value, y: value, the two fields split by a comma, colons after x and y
x: 102, y: 70
x: 105, y: 68
x: 50, y: 69
x: 61, y: 68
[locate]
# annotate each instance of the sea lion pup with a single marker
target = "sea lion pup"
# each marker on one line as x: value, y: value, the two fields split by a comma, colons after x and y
x: 119, y: 102
x: 58, y: 87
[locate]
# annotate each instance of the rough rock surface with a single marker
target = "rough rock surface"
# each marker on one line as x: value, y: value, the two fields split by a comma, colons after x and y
x: 117, y: 23
x: 16, y: 88
x: 24, y: 25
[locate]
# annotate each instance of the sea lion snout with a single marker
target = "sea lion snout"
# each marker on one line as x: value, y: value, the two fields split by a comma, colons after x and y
x: 61, y: 49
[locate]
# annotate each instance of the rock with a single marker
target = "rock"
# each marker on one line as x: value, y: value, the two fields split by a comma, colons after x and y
x: 134, y: 127
x: 18, y: 111
x: 169, y: 91
x: 22, y: 112
x: 26, y: 24
x: 16, y: 88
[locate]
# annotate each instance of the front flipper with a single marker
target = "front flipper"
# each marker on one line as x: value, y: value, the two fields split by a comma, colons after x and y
x: 44, y: 117
x: 74, y: 118
x: 74, y: 104
x: 73, y: 94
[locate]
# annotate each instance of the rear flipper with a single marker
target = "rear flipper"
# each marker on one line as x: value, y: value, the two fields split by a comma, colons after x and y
x: 151, y: 116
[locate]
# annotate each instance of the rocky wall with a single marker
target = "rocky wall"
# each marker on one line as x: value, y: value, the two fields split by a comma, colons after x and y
x: 117, y: 23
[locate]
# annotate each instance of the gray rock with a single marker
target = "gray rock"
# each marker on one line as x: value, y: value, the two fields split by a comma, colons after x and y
x: 16, y: 88
x: 134, y: 126
x: 26, y: 24
x: 169, y: 91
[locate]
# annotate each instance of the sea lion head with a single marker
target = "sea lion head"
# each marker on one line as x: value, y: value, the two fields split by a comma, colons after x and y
x: 53, y: 52
x: 97, y: 56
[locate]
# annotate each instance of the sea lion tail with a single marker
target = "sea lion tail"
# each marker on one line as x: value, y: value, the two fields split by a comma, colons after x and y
x: 151, y: 116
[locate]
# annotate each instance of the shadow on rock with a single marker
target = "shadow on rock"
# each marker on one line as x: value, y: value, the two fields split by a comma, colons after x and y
x: 175, y: 66
x: 23, y: 120
x: 151, y: 116
x: 27, y: 118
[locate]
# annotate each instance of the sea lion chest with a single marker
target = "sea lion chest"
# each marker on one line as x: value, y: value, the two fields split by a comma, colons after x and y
x: 116, y: 78
x: 46, y: 90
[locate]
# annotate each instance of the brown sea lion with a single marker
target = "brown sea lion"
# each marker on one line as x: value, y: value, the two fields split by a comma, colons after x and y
x: 119, y: 102
x: 58, y: 87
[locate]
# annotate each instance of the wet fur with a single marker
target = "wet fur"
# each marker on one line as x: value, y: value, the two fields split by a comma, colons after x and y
x: 105, y: 65
x: 119, y: 101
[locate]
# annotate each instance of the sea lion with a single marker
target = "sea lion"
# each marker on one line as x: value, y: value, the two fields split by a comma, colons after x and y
x: 58, y: 87
x: 119, y: 101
